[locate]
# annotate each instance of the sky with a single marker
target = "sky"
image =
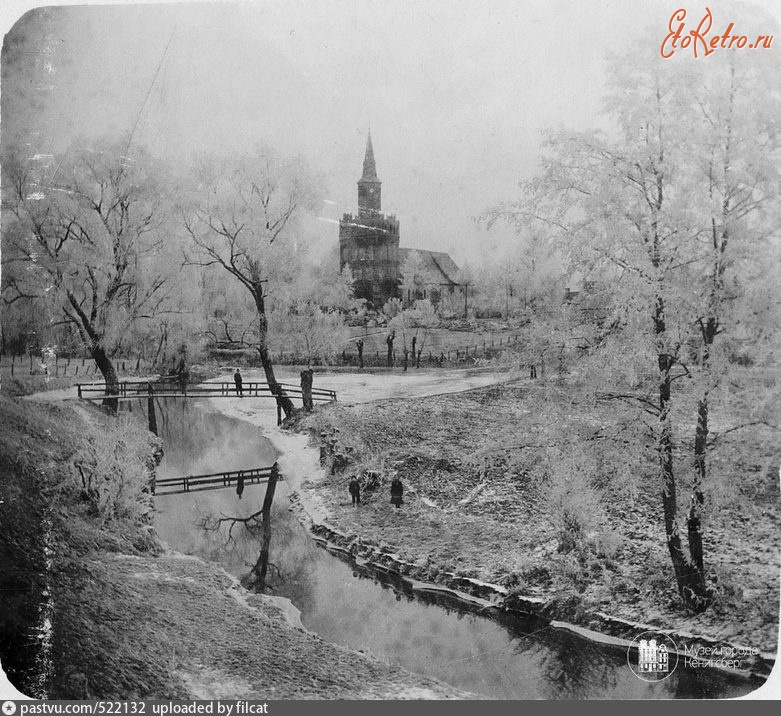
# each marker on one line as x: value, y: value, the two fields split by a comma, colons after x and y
x: 457, y: 94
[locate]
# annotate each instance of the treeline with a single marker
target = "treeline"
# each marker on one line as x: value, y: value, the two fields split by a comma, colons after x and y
x: 107, y: 252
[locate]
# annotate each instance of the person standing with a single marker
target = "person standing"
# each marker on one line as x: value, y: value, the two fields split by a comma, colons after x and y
x: 397, y: 491
x: 359, y: 346
x: 389, y: 340
x: 237, y: 380
x: 355, y: 490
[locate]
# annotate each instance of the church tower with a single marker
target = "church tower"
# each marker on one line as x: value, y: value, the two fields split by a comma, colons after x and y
x: 369, y: 241
x: 369, y: 186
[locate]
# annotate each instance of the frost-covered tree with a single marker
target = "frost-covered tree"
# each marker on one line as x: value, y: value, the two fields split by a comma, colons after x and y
x: 242, y: 218
x: 416, y: 279
x: 309, y: 313
x: 84, y: 243
x: 675, y: 210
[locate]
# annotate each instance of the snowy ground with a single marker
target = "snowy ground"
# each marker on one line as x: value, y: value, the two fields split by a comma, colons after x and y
x: 360, y: 387
x: 300, y: 462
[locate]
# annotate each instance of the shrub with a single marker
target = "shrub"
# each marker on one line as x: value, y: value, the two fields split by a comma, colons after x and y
x: 114, y: 468
x: 573, y: 504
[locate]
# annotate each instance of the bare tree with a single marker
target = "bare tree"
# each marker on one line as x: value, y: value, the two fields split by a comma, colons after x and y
x: 82, y: 242
x: 242, y: 219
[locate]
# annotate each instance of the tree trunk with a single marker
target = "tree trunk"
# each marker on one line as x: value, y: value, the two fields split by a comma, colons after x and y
x: 697, y: 504
x: 160, y: 346
x: 306, y: 389
x: 689, y: 578
x: 92, y: 341
x: 261, y: 566
x: 106, y: 368
x: 150, y: 409
x: 283, y: 401
x: 697, y: 500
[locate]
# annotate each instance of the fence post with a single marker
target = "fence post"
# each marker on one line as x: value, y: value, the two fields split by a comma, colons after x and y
x: 306, y: 389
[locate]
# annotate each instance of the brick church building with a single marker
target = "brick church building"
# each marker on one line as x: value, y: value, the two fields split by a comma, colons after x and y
x: 369, y: 243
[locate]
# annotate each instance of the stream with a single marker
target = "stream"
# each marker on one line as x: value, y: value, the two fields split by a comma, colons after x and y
x: 499, y: 657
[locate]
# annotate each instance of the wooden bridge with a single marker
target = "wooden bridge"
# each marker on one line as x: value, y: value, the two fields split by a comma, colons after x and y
x: 134, y: 389
x: 213, y: 481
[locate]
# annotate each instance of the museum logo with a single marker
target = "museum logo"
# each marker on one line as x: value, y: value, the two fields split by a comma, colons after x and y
x: 652, y: 656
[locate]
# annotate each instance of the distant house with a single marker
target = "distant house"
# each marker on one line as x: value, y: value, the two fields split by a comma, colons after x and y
x: 369, y: 244
x: 441, y: 269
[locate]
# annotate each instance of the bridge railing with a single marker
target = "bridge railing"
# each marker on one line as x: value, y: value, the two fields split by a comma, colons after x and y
x: 142, y: 388
x: 212, y: 481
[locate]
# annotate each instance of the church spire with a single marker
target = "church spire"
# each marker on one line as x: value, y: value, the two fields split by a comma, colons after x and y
x: 369, y: 167
x: 369, y: 186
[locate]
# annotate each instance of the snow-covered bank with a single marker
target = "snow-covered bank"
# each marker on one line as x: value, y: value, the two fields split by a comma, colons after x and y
x: 299, y: 462
x: 133, y: 622
x: 421, y: 540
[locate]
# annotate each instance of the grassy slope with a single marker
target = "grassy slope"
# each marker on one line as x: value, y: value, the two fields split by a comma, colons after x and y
x: 130, y: 622
x: 487, y: 447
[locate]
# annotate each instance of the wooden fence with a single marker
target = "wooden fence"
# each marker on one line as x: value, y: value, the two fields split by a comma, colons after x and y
x: 20, y: 365
x: 379, y: 358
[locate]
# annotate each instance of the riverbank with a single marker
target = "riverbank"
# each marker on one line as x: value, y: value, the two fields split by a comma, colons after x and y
x: 93, y: 607
x: 462, y: 533
x: 474, y: 512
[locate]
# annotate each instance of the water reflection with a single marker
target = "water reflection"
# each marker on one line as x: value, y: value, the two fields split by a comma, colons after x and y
x: 494, y: 654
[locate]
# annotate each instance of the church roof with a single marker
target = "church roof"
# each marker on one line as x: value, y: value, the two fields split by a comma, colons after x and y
x: 369, y: 167
x: 438, y: 263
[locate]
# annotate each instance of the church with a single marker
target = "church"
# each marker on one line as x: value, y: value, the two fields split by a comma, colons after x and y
x: 369, y: 243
